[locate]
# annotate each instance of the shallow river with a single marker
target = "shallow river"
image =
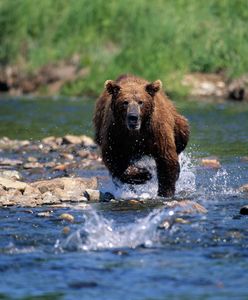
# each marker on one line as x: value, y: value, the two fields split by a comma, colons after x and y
x: 123, y: 254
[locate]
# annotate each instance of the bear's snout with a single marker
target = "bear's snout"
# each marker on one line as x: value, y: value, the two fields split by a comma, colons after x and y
x: 133, y: 122
x: 133, y: 117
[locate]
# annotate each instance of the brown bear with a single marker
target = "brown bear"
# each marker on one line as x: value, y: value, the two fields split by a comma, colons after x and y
x: 134, y: 118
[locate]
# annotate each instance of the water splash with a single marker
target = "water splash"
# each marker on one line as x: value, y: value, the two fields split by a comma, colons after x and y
x: 100, y: 233
x: 185, y: 183
x: 187, y: 179
x: 221, y: 183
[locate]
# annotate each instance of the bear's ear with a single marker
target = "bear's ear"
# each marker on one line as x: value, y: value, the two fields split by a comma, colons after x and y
x: 112, y: 88
x: 154, y: 87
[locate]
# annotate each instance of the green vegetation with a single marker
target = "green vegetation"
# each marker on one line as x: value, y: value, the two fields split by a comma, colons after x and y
x: 154, y: 39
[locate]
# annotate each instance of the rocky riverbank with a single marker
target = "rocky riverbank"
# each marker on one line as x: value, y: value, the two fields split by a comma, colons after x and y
x: 48, y: 171
x: 50, y: 80
x: 64, y: 171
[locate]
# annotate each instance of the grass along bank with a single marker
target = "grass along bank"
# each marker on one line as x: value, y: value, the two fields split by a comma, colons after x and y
x: 158, y: 39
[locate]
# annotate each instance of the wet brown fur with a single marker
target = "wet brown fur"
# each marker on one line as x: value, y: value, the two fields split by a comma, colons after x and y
x: 163, y: 134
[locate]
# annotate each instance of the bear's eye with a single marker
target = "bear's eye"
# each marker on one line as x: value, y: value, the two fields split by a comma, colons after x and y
x: 125, y: 103
x: 140, y: 103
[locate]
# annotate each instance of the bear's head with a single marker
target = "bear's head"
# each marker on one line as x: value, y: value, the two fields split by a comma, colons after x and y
x: 132, y: 103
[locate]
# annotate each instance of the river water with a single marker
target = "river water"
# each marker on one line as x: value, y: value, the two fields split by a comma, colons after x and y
x: 125, y: 254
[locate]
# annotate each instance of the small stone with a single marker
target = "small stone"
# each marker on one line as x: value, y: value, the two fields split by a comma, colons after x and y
x: 3, y: 192
x: 31, y: 191
x: 7, y: 144
x: 244, y: 188
x: 113, y: 201
x: 32, y: 159
x: 186, y: 206
x: 120, y: 252
x: 28, y: 211
x: 10, y: 162
x: 49, y: 164
x: 83, y: 153
x: 13, y: 193
x: 92, y: 195
x: 106, y: 197
x: 71, y: 139
x: 10, y: 174
x: 181, y: 221
x: 67, y: 217
x: 60, y: 193
x: 87, y: 141
x: 32, y: 165
x: 67, y: 156
x: 165, y: 225
x: 45, y: 214
x: 211, y: 163
x: 49, y: 198
x: 49, y: 140
x: 134, y: 202
x: 66, y: 230
x: 61, y: 167
x: 11, y: 184
x: 244, y: 210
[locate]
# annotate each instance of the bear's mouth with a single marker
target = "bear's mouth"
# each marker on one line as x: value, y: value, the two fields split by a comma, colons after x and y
x: 133, y: 122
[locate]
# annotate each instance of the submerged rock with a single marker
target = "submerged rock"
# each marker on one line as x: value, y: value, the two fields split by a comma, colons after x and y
x: 186, y: 206
x: 244, y: 210
x: 45, y: 214
x: 66, y: 230
x: 211, y: 163
x: 67, y: 217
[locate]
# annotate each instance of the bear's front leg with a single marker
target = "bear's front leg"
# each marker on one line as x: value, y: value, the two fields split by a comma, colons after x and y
x: 167, y: 172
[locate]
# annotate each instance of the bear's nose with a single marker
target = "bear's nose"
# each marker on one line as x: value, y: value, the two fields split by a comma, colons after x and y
x: 132, y: 118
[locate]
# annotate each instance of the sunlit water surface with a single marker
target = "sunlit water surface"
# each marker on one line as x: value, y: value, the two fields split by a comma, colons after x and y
x: 125, y: 254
